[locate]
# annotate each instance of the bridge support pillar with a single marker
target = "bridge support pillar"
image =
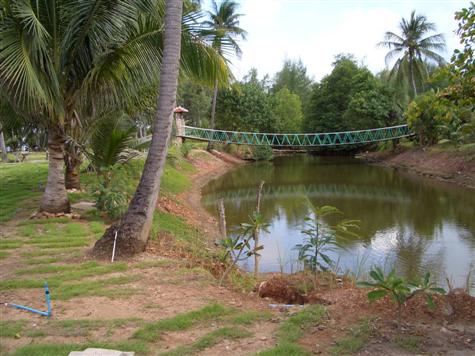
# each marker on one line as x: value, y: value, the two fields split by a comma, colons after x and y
x: 179, y: 125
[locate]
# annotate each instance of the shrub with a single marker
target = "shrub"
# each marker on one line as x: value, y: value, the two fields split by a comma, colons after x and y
x: 262, y: 153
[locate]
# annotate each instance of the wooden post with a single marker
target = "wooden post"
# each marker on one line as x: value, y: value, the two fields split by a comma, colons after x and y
x: 257, y: 257
x: 180, y: 124
x: 222, y: 218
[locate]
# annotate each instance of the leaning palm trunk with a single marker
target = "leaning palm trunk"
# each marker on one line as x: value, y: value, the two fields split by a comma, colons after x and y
x: 134, y: 227
x: 213, y: 112
x: 55, y: 198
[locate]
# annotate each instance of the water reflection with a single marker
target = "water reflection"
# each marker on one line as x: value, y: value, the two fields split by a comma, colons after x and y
x: 406, y: 221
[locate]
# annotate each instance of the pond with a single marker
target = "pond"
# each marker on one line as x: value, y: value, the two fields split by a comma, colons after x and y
x: 407, y: 222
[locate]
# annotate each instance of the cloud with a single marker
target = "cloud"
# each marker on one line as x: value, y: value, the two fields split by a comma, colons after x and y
x: 316, y: 31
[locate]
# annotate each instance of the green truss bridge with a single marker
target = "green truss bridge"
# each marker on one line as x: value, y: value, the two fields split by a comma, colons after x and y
x: 294, y: 140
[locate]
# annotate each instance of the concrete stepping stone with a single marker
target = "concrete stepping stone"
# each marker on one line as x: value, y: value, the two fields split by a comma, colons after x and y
x: 100, y: 352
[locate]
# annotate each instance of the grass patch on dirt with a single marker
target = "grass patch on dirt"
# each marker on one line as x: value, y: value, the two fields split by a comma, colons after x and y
x: 293, y: 329
x: 151, y: 332
x: 10, y: 328
x: 209, y: 340
x: 20, y: 182
x: 62, y: 290
x: 411, y: 343
x: 64, y: 349
x: 75, y: 271
x: 285, y: 349
x: 250, y: 317
x: 357, y: 337
x: 3, y: 255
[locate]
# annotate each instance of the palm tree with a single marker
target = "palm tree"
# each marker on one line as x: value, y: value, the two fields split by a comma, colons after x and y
x: 61, y: 60
x: 134, y: 227
x: 222, y: 30
x: 413, y: 49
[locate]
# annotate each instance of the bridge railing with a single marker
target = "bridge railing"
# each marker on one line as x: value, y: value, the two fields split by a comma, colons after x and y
x: 298, y: 140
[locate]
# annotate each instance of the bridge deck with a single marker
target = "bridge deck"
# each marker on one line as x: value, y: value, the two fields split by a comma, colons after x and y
x: 298, y: 139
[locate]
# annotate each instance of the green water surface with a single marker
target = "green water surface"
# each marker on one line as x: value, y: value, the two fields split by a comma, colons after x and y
x: 408, y: 222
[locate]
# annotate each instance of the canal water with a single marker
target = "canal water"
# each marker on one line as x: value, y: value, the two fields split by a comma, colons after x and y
x: 407, y: 222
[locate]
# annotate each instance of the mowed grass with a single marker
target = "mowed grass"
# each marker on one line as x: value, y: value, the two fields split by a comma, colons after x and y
x: 21, y: 185
x: 293, y: 329
x: 209, y: 340
x: 356, y: 338
x: 152, y: 331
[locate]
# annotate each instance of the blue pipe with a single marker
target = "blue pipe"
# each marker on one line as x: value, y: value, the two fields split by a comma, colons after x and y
x: 48, y: 300
x: 36, y: 311
x: 28, y: 309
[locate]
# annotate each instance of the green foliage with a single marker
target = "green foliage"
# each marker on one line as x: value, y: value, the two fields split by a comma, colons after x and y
x: 434, y: 118
x: 243, y: 245
x: 262, y: 153
x: 293, y: 77
x: 245, y: 106
x: 115, y: 188
x: 321, y: 237
x: 109, y: 143
x: 288, y: 111
x: 398, y: 288
x: 349, y: 98
x: 462, y: 66
x: 197, y: 99
x: 414, y: 50
x: 185, y: 149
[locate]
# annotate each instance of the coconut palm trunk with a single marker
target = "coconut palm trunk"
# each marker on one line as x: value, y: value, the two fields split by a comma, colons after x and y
x: 3, y: 147
x: 55, y: 198
x: 134, y: 227
x: 71, y: 175
x: 213, y: 112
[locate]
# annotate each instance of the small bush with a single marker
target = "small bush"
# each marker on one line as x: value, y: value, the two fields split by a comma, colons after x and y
x: 185, y: 149
x: 262, y: 153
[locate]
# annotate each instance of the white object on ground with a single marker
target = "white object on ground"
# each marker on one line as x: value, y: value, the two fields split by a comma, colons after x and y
x: 113, y: 248
x: 100, y: 352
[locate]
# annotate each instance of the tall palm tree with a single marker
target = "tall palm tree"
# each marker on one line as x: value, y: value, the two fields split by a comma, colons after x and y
x: 64, y: 59
x: 413, y: 48
x: 134, y: 228
x: 222, y: 30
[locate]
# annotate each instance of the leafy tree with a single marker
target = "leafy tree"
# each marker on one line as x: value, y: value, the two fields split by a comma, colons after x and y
x: 197, y: 99
x: 349, y: 98
x: 413, y: 48
x: 245, y: 106
x: 293, y: 76
x: 134, y: 227
x: 288, y: 111
x: 65, y: 59
x: 462, y: 66
x: 222, y: 32
x: 424, y: 116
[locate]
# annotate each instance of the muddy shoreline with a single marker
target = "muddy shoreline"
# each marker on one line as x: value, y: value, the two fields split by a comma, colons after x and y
x: 209, y: 166
x: 448, y: 167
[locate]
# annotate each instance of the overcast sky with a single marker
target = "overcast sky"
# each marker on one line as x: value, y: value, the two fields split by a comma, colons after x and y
x: 317, y: 30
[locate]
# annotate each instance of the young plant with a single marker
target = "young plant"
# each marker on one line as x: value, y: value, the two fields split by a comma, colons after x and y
x: 239, y: 247
x: 399, y: 290
x: 321, y: 238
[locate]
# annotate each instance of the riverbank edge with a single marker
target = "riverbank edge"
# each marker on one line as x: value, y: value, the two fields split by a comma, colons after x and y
x: 451, y: 167
x: 210, y: 166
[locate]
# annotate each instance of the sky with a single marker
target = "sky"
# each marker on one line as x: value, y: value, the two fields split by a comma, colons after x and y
x: 317, y: 30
